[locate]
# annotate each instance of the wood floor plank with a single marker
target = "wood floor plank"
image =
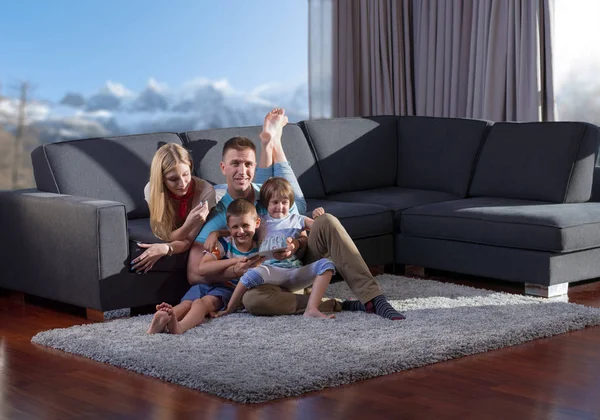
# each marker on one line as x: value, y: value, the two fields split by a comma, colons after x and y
x: 556, y: 377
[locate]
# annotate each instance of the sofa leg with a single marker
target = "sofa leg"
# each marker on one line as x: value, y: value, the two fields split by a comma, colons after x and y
x: 415, y: 271
x: 396, y: 269
x: 99, y: 316
x: 94, y: 315
x: 554, y: 290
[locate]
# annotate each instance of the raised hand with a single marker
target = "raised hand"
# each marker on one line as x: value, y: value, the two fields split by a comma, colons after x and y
x: 198, y: 214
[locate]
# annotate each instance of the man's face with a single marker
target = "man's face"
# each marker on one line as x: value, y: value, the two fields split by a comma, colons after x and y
x: 238, y: 167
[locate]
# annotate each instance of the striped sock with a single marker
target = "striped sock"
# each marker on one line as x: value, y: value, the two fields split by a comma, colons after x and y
x: 380, y: 306
x: 353, y: 305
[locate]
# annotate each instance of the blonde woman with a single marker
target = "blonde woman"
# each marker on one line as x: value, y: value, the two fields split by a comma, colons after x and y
x: 179, y: 204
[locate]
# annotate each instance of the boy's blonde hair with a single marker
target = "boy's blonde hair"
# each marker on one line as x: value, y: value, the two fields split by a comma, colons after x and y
x: 276, y: 187
x: 162, y: 208
x: 241, y: 207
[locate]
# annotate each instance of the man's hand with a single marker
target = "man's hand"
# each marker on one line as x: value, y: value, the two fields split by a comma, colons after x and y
x: 211, y: 242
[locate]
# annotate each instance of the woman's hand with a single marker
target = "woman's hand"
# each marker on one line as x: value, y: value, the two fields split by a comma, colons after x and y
x: 198, y: 214
x: 319, y: 211
x: 146, y: 261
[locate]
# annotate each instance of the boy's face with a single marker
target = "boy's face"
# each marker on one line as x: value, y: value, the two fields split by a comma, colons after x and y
x: 242, y: 228
x: 278, y: 207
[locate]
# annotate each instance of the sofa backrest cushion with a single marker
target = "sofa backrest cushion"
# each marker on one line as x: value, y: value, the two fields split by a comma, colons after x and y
x: 106, y: 168
x: 438, y: 153
x: 545, y: 161
x: 207, y: 149
x: 355, y: 153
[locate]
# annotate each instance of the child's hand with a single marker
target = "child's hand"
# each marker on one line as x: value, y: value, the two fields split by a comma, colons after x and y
x: 319, y: 211
x: 211, y: 242
x: 219, y: 314
x: 292, y: 247
x: 244, y: 264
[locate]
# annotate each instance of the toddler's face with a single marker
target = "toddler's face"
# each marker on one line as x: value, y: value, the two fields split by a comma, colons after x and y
x: 279, y: 207
x: 242, y: 228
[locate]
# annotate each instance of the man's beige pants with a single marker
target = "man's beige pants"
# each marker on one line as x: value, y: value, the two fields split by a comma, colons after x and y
x: 328, y: 239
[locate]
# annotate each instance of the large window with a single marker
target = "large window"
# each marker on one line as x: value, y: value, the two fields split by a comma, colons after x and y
x: 577, y: 60
x: 77, y: 69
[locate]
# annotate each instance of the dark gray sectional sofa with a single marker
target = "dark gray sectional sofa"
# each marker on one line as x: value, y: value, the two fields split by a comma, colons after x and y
x: 507, y: 200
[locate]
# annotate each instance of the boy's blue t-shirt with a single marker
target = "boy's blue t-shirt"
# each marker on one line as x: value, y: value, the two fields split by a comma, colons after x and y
x: 217, y: 219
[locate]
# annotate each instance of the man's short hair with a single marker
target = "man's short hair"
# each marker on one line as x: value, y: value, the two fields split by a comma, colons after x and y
x: 239, y: 143
x: 241, y: 207
x: 276, y: 187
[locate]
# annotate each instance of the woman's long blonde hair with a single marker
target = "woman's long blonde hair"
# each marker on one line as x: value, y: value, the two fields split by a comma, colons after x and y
x: 162, y: 209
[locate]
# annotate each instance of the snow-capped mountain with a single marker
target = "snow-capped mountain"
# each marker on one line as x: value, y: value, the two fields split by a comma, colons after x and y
x: 115, y: 110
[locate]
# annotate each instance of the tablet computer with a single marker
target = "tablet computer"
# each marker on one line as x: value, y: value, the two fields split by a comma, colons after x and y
x: 267, y: 253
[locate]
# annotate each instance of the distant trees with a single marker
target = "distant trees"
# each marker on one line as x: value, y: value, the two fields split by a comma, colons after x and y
x: 15, y: 163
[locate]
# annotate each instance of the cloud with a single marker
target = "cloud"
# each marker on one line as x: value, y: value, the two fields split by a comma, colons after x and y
x: 196, y: 105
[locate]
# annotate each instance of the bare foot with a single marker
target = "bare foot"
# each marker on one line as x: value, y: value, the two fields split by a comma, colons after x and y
x: 273, y: 126
x: 159, y: 322
x: 162, y: 305
x: 315, y: 313
x: 173, y: 325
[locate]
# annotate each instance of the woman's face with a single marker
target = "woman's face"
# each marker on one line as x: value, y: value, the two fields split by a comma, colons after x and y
x: 177, y: 180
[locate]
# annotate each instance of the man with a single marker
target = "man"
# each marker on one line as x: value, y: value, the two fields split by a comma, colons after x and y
x: 327, y: 238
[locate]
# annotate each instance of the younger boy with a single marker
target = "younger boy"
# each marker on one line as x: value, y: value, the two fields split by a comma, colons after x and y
x: 202, y: 299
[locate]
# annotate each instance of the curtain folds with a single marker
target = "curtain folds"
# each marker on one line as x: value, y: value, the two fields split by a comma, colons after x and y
x: 489, y: 59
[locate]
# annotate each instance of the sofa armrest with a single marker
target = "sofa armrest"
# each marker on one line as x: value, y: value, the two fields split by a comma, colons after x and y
x: 59, y: 246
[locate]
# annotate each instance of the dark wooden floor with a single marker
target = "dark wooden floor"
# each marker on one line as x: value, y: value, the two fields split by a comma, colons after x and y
x: 553, y: 378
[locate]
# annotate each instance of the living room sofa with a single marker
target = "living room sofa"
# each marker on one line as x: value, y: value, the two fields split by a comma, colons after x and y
x: 509, y: 201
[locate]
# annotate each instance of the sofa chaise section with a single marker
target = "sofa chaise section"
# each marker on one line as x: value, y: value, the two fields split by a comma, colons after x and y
x: 526, y: 219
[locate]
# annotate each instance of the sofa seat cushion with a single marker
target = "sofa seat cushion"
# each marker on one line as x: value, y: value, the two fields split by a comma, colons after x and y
x: 361, y: 220
x: 139, y: 231
x: 394, y: 198
x: 511, y: 223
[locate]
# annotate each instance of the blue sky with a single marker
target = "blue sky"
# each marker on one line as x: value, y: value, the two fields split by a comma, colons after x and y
x: 77, y: 45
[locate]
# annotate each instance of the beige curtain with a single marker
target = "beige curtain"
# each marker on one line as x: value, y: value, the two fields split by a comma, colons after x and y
x: 488, y: 59
x: 320, y: 58
x: 372, y: 60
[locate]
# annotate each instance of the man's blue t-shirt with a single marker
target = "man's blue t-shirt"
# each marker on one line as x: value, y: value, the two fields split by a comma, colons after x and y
x: 218, y: 215
x: 217, y: 219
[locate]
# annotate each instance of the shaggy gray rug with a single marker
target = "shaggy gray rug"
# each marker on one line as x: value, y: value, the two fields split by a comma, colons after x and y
x: 255, y: 359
